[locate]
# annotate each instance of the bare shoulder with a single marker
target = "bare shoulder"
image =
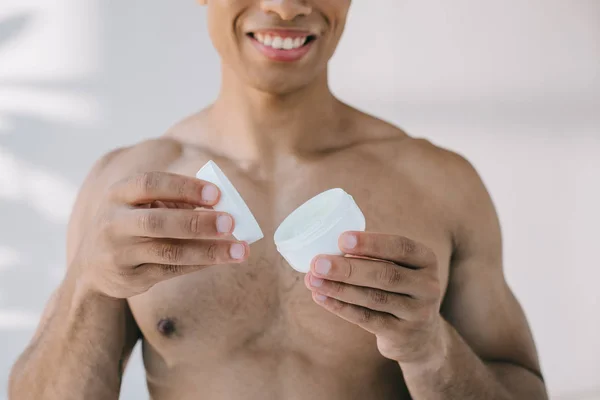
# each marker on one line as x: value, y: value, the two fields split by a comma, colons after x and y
x: 446, y: 166
x: 420, y: 156
x: 441, y: 170
x: 457, y: 184
x: 146, y: 156
x: 448, y: 179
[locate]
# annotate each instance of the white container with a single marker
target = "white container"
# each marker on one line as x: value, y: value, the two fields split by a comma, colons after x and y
x: 246, y: 228
x: 315, y: 227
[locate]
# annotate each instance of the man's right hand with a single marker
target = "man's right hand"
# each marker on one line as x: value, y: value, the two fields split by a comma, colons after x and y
x: 147, y: 230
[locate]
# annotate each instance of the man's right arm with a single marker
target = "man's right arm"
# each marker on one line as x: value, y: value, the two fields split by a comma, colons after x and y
x: 84, y: 338
x: 123, y: 239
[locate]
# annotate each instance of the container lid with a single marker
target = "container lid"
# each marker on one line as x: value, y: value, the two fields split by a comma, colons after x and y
x: 312, y: 219
x: 246, y: 227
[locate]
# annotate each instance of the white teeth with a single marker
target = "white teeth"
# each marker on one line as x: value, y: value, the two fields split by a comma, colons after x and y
x: 288, y: 43
x: 278, y: 42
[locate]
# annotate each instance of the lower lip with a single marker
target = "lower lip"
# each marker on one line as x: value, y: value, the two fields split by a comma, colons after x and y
x: 280, y: 54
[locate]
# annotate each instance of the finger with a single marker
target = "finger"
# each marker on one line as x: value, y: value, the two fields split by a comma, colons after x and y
x: 171, y: 204
x: 400, y: 306
x: 170, y: 253
x: 369, y: 273
x: 394, y: 248
x: 155, y: 273
x: 238, y: 252
x: 372, y: 321
x: 175, y: 224
x: 149, y: 187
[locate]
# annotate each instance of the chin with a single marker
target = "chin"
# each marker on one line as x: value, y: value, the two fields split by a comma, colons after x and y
x: 278, y: 88
x: 282, y: 83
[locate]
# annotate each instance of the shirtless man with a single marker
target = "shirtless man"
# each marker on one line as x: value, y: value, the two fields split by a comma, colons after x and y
x: 418, y: 308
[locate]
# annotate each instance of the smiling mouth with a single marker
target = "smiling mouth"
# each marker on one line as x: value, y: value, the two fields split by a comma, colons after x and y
x: 283, y: 41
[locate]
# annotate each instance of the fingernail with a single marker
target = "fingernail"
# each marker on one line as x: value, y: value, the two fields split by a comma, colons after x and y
x: 316, y: 282
x: 210, y: 193
x: 322, y: 266
x: 320, y: 297
x: 349, y: 241
x: 237, y: 251
x: 224, y: 223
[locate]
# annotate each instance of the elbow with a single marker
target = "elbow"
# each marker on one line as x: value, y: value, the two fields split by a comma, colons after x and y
x: 16, y: 384
x: 23, y: 383
x: 519, y: 382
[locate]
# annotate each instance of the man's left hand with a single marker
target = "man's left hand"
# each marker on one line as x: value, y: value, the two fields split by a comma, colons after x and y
x: 388, y: 285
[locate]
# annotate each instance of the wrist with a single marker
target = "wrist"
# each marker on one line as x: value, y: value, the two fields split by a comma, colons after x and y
x: 436, y: 357
x: 83, y: 292
x: 85, y: 295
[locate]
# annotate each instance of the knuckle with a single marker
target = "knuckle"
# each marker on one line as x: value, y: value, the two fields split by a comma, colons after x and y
x: 168, y: 252
x: 182, y: 186
x: 381, y: 321
x: 349, y: 268
x: 365, y: 315
x: 337, y: 288
x: 211, y: 252
x: 378, y: 297
x: 389, y: 275
x: 338, y: 306
x: 146, y: 182
x: 172, y: 269
x: 150, y: 222
x: 172, y: 253
x: 194, y: 224
x: 406, y: 246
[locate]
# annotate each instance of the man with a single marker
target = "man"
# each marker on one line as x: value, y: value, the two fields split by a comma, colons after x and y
x: 418, y: 308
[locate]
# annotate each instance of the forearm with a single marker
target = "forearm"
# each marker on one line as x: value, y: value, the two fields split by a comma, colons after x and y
x: 77, y: 353
x: 461, y: 374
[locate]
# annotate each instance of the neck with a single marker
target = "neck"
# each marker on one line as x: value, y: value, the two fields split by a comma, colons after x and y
x: 261, y: 123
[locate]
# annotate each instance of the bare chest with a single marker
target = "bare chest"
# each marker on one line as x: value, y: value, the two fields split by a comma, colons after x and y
x: 263, y: 303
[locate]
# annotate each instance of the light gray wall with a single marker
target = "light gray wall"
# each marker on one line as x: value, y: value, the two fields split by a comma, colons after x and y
x: 512, y: 85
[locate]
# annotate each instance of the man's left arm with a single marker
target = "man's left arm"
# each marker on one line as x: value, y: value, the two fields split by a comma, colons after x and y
x: 476, y: 344
x: 490, y: 352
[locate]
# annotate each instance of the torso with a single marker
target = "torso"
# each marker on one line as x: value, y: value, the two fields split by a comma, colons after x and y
x: 252, y: 331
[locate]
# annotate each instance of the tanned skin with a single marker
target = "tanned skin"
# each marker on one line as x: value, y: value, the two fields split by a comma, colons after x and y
x: 417, y: 308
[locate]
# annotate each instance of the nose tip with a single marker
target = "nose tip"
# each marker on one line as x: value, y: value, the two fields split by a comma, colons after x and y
x: 287, y: 10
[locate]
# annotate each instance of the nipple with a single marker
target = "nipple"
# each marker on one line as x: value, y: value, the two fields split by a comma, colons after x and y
x: 166, y: 326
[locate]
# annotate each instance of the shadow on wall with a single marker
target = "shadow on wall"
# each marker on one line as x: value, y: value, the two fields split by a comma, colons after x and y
x: 38, y: 147
x: 12, y: 26
x: 51, y: 123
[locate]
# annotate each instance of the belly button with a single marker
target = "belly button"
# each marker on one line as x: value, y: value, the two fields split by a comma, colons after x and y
x: 166, y: 327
